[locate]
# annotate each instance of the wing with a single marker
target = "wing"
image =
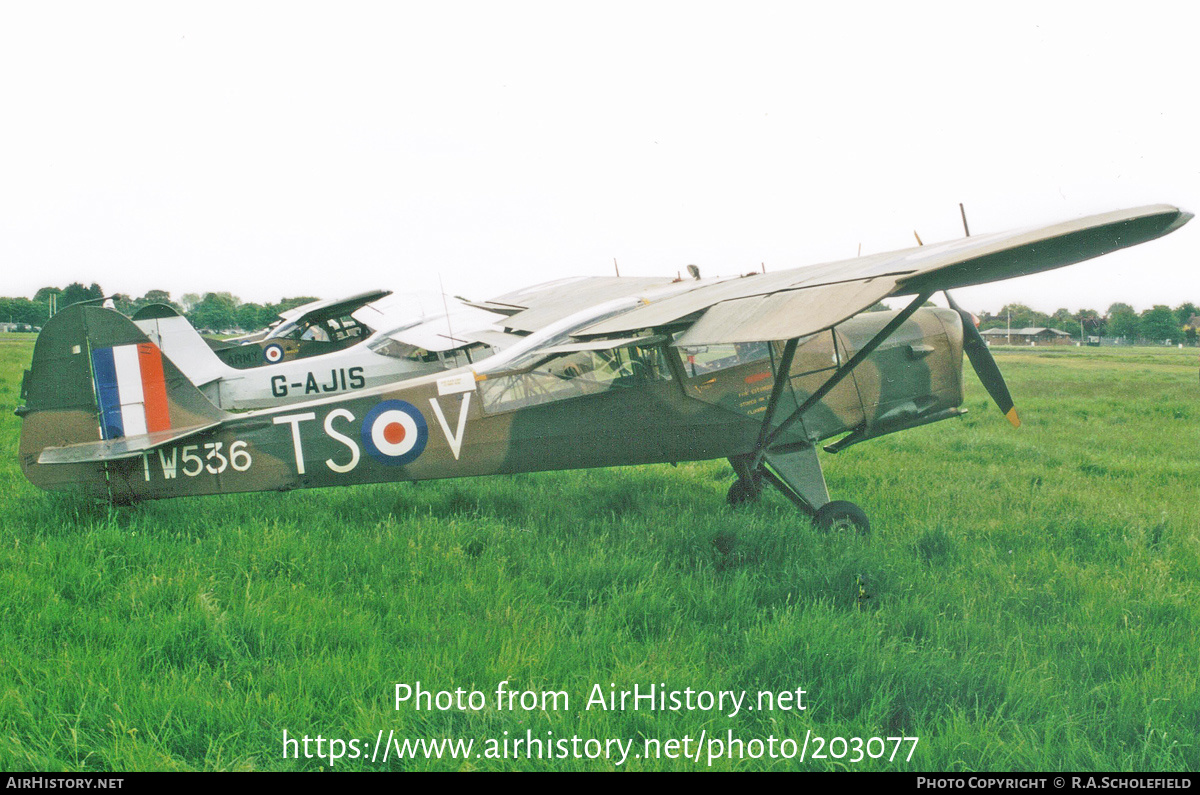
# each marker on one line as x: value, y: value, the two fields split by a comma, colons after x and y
x: 534, y: 308
x: 462, y: 326
x: 795, y: 303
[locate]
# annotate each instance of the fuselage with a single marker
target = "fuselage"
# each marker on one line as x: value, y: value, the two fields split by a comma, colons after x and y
x: 281, y: 370
x: 523, y: 411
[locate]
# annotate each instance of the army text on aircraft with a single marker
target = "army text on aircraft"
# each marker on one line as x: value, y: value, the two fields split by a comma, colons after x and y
x: 758, y: 370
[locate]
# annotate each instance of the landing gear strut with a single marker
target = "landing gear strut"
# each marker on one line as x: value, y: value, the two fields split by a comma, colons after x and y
x: 749, y: 484
x: 795, y: 471
x: 743, y: 492
x: 793, y: 467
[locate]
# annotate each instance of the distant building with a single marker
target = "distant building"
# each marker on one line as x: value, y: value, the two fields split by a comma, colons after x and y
x: 1028, y: 336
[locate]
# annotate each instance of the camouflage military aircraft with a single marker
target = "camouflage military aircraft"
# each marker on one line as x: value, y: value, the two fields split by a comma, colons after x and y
x: 757, y: 370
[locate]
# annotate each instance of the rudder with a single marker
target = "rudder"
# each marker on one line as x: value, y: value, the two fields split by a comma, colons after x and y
x: 98, y: 381
x: 192, y: 353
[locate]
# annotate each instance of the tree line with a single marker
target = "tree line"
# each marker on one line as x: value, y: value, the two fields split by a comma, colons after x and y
x: 1157, y: 324
x: 209, y: 312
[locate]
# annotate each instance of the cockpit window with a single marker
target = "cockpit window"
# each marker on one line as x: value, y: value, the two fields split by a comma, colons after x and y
x: 396, y: 349
x: 451, y: 359
x: 574, y: 374
x: 531, y: 349
x: 703, y: 359
x: 532, y: 371
x: 340, y: 332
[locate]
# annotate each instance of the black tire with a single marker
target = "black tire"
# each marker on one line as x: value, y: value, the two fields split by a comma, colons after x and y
x: 742, y: 492
x: 841, y: 515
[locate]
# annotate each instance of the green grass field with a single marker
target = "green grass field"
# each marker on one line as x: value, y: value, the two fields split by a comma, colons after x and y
x: 1028, y: 599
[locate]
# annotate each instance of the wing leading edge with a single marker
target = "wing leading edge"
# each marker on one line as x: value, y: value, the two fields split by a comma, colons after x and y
x: 802, y: 301
x: 534, y: 308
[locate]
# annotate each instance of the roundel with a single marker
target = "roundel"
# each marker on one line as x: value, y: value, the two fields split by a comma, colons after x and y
x: 273, y: 353
x: 394, y: 432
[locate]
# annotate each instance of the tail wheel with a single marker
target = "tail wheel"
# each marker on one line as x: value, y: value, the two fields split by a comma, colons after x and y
x: 841, y: 516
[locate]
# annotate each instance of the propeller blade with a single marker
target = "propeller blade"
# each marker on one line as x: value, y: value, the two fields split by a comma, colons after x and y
x: 985, y: 366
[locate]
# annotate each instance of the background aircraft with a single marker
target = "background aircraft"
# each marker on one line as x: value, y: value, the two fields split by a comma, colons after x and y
x: 369, y: 339
x: 758, y: 370
x: 319, y: 313
x: 330, y: 347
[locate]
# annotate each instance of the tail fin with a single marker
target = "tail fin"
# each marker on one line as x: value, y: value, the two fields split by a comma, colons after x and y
x: 178, y: 339
x: 100, y: 390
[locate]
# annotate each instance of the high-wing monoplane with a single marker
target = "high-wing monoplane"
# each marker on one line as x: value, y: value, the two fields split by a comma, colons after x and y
x: 759, y: 370
x: 332, y: 347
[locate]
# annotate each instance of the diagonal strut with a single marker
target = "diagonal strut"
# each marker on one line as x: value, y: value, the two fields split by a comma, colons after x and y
x: 766, y: 439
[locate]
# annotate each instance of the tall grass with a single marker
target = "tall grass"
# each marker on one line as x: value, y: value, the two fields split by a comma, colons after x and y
x: 1027, y: 599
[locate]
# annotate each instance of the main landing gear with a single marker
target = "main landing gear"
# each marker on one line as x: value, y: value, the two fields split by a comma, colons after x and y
x: 793, y: 467
x: 796, y: 472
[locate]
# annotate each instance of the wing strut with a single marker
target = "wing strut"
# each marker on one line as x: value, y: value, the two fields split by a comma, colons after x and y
x: 785, y: 367
x: 767, y: 437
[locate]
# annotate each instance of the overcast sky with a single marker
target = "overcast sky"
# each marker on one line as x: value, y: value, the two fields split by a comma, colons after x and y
x: 274, y: 149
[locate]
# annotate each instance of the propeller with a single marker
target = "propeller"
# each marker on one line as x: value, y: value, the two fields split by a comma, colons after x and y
x: 977, y: 350
x: 985, y: 366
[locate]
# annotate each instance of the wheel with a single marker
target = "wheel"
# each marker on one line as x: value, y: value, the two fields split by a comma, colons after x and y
x: 742, y: 492
x: 841, y: 515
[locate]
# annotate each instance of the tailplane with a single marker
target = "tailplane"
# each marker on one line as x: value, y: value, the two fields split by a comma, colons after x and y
x: 100, y: 390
